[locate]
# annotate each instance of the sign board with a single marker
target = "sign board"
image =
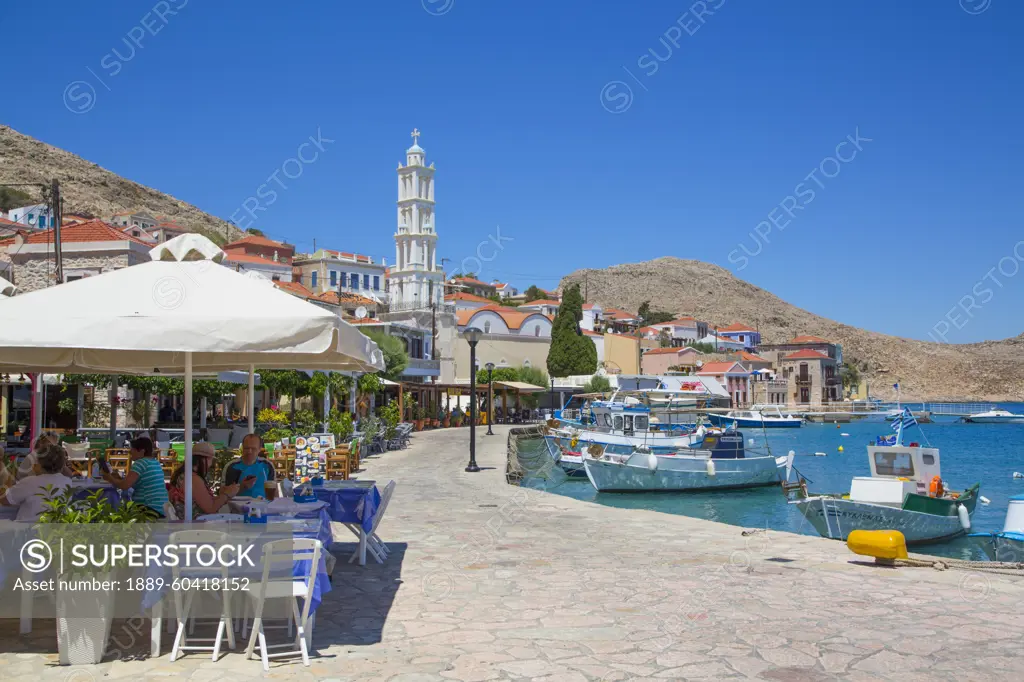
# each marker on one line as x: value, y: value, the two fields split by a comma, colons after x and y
x: 310, y: 458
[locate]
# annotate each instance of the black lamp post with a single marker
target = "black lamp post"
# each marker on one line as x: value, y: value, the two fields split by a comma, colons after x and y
x: 490, y: 396
x: 473, y: 337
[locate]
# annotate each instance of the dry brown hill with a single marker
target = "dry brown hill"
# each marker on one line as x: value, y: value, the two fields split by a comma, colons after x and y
x: 87, y: 188
x: 991, y: 370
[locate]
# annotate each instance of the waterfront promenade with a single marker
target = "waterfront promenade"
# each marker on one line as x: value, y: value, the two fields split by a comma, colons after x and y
x: 494, y: 582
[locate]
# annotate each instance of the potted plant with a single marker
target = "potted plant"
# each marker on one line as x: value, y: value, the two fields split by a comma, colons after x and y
x: 84, y: 616
x: 416, y: 414
x: 440, y: 418
x: 457, y: 416
x: 220, y: 432
x: 390, y: 416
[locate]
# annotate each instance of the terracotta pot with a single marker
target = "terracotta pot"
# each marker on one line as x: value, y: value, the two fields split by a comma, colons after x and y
x: 418, y: 425
x: 446, y: 422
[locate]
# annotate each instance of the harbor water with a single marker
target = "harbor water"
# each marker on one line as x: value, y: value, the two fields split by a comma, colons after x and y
x: 988, y: 454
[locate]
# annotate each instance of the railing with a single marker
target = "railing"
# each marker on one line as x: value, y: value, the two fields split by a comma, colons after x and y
x: 401, y: 307
x: 419, y: 363
x: 803, y: 380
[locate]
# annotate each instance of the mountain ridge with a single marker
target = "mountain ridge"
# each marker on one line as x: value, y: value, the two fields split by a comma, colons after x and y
x: 984, y: 370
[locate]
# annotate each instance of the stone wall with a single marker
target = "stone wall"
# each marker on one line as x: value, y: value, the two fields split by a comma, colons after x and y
x: 33, y: 272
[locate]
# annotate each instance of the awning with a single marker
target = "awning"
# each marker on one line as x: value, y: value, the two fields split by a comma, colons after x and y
x: 520, y: 386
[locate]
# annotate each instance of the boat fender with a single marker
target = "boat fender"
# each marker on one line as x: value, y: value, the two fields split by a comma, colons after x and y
x: 965, y: 517
x: 983, y: 499
x: 935, y: 487
x: 750, y: 441
x: 711, y: 467
x: 652, y: 462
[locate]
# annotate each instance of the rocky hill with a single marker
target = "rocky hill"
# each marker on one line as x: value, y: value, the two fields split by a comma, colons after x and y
x: 88, y: 188
x: 989, y: 371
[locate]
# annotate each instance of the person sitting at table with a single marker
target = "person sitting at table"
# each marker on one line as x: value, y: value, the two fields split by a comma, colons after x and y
x: 146, y: 476
x: 27, y: 466
x: 27, y: 494
x: 203, y: 499
x: 250, y: 470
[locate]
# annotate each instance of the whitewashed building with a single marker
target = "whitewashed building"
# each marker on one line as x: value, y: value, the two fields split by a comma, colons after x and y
x: 36, y: 216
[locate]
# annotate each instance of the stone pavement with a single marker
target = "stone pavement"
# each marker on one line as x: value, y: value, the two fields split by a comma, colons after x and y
x: 495, y: 582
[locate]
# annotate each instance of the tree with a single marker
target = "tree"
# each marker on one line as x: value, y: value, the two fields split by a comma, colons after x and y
x: 534, y: 293
x: 255, y: 232
x: 395, y: 357
x: 597, y: 384
x: 499, y: 374
x: 702, y: 347
x: 12, y: 197
x: 336, y: 385
x: 571, y: 352
x: 664, y: 339
x: 537, y: 377
x: 649, y: 317
x: 850, y: 375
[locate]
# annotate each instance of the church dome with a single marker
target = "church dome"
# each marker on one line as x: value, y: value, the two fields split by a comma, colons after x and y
x: 414, y: 149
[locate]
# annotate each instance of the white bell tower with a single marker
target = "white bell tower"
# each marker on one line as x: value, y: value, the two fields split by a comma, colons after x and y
x: 415, y: 278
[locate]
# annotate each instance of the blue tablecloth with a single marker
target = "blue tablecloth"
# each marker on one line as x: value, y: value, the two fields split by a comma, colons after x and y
x: 84, y: 489
x: 351, y: 505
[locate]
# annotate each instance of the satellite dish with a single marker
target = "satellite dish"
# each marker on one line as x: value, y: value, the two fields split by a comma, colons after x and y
x: 361, y: 312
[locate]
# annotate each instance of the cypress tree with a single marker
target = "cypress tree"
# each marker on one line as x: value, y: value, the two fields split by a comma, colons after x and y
x: 571, y: 352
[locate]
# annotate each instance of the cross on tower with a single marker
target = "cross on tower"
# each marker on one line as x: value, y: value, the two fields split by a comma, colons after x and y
x: 415, y: 135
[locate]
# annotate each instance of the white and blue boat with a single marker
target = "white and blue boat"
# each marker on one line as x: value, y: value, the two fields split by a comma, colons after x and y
x: 767, y: 417
x: 718, y: 462
x: 1008, y: 544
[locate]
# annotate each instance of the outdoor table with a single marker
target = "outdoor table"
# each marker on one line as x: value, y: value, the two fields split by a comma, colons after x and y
x: 85, y: 487
x: 300, y: 528
x: 354, y: 506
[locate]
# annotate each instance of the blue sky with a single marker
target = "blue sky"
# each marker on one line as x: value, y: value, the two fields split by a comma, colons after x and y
x: 590, y: 133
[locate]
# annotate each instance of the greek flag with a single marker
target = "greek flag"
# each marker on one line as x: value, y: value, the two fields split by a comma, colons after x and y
x: 904, y: 421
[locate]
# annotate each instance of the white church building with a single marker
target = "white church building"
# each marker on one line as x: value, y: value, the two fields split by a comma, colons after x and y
x: 415, y: 279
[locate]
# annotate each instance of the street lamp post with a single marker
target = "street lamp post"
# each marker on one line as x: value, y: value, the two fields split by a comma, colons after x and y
x: 490, y: 396
x: 473, y: 337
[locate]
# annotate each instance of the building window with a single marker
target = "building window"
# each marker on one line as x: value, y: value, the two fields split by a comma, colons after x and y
x: 376, y: 283
x: 536, y: 330
x: 312, y: 279
x: 527, y: 363
x: 487, y: 327
x: 275, y: 278
x: 366, y: 281
x: 343, y: 277
x: 334, y: 278
x: 355, y: 280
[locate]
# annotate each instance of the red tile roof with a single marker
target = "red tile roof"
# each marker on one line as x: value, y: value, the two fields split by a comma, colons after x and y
x: 359, y: 258
x: 513, y: 317
x: 332, y: 297
x: 92, y: 231
x: 463, y: 296
x: 471, y: 281
x: 750, y: 357
x: 678, y: 322
x: 617, y: 314
x: 256, y: 240
x: 294, y: 288
x: 666, y: 351
x: 736, y: 327
x: 806, y: 354
x: 540, y: 302
x: 808, y: 339
x: 365, y: 320
x: 587, y: 332
x: 720, y: 368
x: 5, y: 221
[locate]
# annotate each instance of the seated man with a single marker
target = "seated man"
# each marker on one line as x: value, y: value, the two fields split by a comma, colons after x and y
x: 250, y: 471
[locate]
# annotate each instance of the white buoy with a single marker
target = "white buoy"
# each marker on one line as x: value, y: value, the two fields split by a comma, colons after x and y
x: 820, y: 454
x: 711, y: 468
x: 965, y: 517
x: 844, y: 434
x: 652, y: 462
x: 983, y: 499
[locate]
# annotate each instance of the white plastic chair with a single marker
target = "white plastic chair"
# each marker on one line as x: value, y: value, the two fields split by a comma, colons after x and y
x: 374, y: 544
x: 184, y: 606
x: 169, y: 512
x: 280, y: 555
x: 221, y: 518
x: 285, y: 488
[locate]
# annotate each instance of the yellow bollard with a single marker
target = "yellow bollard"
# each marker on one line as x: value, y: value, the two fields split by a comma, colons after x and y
x: 883, y: 545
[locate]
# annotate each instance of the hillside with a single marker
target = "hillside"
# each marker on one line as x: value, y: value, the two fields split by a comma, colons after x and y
x: 87, y: 188
x: 989, y: 371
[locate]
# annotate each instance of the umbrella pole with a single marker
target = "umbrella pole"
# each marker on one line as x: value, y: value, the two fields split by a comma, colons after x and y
x: 250, y: 399
x: 188, y: 436
x: 36, y: 428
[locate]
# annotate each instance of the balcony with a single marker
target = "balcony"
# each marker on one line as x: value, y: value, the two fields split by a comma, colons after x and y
x: 422, y: 367
x: 833, y: 381
x: 803, y: 380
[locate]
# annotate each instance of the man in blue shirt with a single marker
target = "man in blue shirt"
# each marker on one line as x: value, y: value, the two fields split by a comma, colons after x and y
x: 251, y: 471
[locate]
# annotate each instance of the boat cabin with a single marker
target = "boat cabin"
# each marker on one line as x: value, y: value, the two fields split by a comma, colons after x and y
x: 625, y: 418
x: 896, y: 471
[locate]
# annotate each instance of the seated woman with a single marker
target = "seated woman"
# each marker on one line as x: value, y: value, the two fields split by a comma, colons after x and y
x: 26, y: 467
x: 146, y: 476
x: 203, y: 499
x: 27, y: 495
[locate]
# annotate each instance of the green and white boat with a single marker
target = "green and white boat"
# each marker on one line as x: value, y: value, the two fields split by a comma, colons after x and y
x: 904, y: 492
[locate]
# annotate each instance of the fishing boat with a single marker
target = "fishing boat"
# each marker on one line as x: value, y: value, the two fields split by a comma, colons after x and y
x: 719, y: 461
x: 1008, y: 544
x: 617, y: 426
x: 766, y: 417
x: 904, y: 492
x: 995, y: 417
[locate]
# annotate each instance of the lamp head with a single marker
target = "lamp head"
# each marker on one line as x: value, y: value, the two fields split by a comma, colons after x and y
x: 489, y: 366
x: 472, y: 335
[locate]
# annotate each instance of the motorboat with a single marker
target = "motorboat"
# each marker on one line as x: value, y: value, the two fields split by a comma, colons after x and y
x: 1008, y: 544
x: 904, y: 492
x: 767, y: 417
x: 995, y: 417
x: 719, y: 461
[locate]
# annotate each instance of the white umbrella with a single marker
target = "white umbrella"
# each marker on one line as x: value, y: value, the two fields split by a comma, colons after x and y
x: 178, y: 315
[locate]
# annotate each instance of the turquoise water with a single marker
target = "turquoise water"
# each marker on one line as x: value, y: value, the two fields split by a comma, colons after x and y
x: 970, y: 453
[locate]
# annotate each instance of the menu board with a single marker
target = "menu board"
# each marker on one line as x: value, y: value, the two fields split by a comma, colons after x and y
x: 310, y: 458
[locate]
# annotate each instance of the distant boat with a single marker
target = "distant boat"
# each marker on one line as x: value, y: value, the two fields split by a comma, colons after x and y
x: 995, y: 417
x: 905, y: 492
x: 765, y: 417
x: 1008, y: 544
x: 719, y: 461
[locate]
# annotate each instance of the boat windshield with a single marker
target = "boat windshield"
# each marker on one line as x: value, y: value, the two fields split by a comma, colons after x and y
x: 894, y: 464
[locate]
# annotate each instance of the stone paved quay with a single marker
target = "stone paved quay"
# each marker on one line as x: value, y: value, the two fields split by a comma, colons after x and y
x: 494, y: 582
